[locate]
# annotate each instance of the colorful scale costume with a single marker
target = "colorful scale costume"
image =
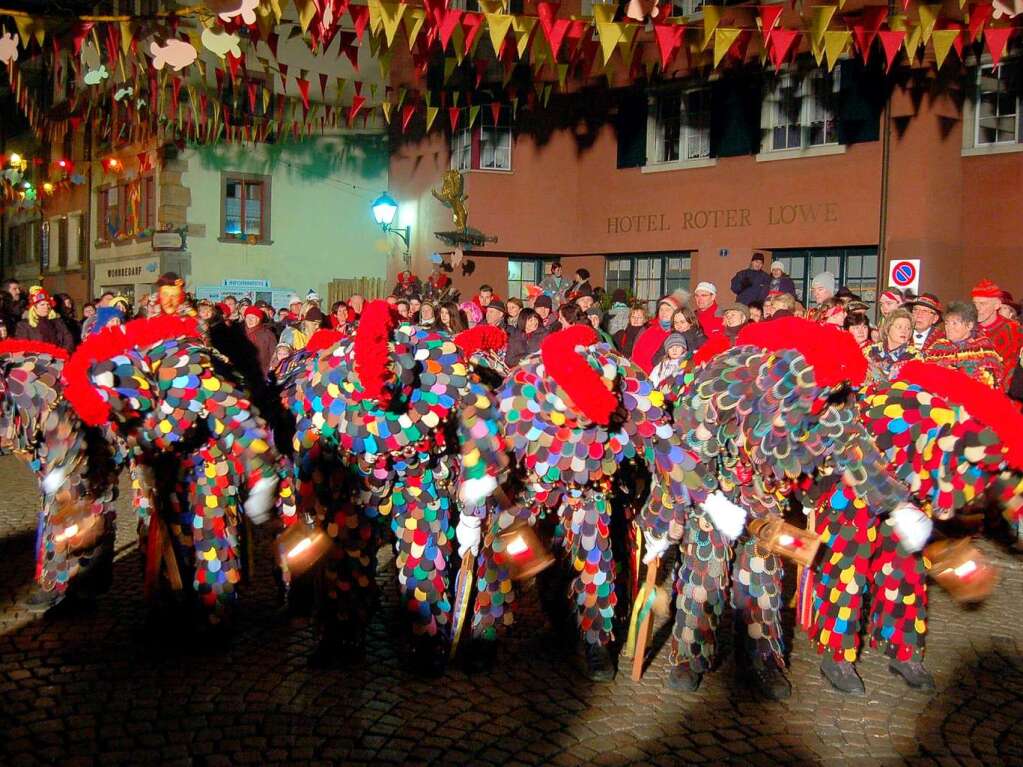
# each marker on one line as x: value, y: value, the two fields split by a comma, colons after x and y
x: 40, y: 425
x: 199, y: 446
x: 760, y: 414
x: 393, y: 406
x: 572, y: 417
x: 946, y: 438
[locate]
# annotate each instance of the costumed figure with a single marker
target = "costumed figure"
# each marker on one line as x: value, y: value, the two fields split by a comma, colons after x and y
x: 199, y: 450
x: 948, y: 439
x: 407, y: 285
x: 75, y: 532
x: 392, y: 406
x: 574, y: 416
x: 438, y: 286
x: 765, y: 414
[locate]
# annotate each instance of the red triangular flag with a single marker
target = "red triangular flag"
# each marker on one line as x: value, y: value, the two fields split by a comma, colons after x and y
x: 781, y: 43
x: 554, y: 29
x: 360, y: 17
x: 996, y: 39
x: 891, y: 41
x: 406, y: 116
x: 271, y: 42
x: 980, y: 14
x: 357, y: 104
x: 769, y: 15
x: 495, y: 111
x: 447, y: 27
x: 252, y: 96
x: 669, y: 40
x: 303, y: 90
x: 453, y: 115
x: 472, y: 23
x: 865, y: 29
x: 233, y: 64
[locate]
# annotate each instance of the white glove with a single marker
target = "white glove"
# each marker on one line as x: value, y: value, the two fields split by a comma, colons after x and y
x: 655, y: 546
x: 912, y: 526
x: 728, y: 518
x: 468, y: 534
x: 261, y: 500
x: 474, y: 491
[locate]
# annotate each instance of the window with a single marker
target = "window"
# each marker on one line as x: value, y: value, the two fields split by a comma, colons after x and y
x: 127, y: 210
x: 855, y: 268
x: 110, y: 213
x: 73, y: 248
x: 682, y: 126
x: 487, y: 146
x: 649, y: 277
x: 523, y: 272
x: 686, y: 7
x: 998, y: 105
x: 245, y: 208
x: 799, y: 111
x: 23, y: 243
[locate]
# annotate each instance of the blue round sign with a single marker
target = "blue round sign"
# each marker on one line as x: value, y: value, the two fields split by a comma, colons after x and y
x: 903, y: 274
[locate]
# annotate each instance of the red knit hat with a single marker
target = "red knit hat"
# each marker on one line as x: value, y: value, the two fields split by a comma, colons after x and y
x: 986, y: 289
x: 255, y: 311
x: 893, y: 295
x: 672, y: 301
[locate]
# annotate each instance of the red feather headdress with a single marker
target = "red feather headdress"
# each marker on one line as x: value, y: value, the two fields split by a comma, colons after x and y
x: 482, y: 338
x: 584, y: 386
x: 323, y: 339
x: 717, y: 344
x: 109, y: 342
x: 989, y: 406
x: 372, y: 354
x: 834, y: 354
x: 21, y: 346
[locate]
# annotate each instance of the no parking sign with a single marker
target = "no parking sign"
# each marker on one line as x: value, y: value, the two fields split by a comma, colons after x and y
x: 904, y: 274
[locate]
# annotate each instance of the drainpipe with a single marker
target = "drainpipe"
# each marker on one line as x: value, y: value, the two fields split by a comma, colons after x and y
x: 886, y: 156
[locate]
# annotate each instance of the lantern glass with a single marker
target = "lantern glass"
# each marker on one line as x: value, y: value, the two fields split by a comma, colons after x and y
x: 384, y: 209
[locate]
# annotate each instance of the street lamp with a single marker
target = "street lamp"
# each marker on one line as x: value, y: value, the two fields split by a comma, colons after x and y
x: 384, y: 210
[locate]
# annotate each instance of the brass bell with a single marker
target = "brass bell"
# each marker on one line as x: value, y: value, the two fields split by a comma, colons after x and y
x: 522, y: 552
x: 784, y: 540
x: 76, y: 526
x: 300, y: 547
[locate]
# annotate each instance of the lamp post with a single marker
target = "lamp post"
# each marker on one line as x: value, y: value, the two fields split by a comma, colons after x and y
x: 384, y: 210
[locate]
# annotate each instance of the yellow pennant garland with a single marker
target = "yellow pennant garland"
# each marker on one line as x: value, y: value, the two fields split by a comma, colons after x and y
x: 724, y: 37
x: 835, y: 44
x: 943, y: 40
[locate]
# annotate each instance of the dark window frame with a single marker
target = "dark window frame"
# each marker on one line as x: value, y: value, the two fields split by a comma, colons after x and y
x: 246, y: 179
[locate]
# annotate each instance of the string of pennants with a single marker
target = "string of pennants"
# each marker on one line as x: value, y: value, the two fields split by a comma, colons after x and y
x: 129, y: 59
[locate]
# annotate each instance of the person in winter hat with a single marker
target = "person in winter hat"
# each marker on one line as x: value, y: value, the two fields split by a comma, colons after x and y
x: 674, y: 359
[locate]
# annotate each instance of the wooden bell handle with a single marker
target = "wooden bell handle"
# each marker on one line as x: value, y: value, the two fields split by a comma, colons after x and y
x: 643, y: 633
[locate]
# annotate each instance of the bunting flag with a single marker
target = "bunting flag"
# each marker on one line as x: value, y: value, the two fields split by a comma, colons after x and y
x: 891, y: 42
x: 928, y: 17
x: 865, y: 30
x: 413, y: 21
x: 770, y: 15
x: 358, y: 101
x: 996, y: 39
x: 498, y: 25
x: 711, y: 19
x: 407, y: 112
x: 822, y: 16
x: 782, y: 41
x: 387, y: 107
x: 453, y: 114
x: 391, y: 14
x: 980, y: 14
x: 943, y: 40
x: 669, y: 40
x: 431, y: 115
x: 724, y: 37
x: 835, y: 44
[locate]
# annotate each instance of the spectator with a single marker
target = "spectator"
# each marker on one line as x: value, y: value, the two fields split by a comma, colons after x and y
x: 756, y: 311
x: 414, y: 305
x: 355, y: 304
x: 496, y: 313
x: 544, y: 307
x: 779, y: 281
x: 886, y: 357
x: 618, y: 314
x: 514, y: 308
x: 554, y: 285
x: 889, y: 301
x: 260, y: 336
x: 41, y: 323
x: 822, y: 287
x: 625, y: 339
x: 64, y: 309
x: 107, y: 316
x: 404, y: 311
x: 684, y: 321
x: 281, y: 353
x: 926, y: 313
x: 581, y: 284
x: 650, y: 342
x: 673, y: 359
x: 450, y: 318
x: 584, y: 298
x: 832, y: 312
x: 858, y: 326
x: 1006, y: 335
x: 595, y: 316
x: 312, y: 297
x: 339, y: 317
x: 427, y: 316
x: 964, y: 347
x: 1009, y: 308
x: 707, y: 312
x: 846, y: 296
x: 232, y: 304
x: 780, y: 305
x: 526, y: 339
x: 472, y: 313
x: 12, y: 305
x: 736, y: 317
x: 485, y: 296
x: 569, y: 315
x: 751, y: 283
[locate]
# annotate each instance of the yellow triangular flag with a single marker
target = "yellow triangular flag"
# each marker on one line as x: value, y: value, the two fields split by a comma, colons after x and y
x: 413, y: 20
x: 562, y: 75
x: 492, y: 6
x: 498, y: 25
x: 390, y: 18
x: 458, y: 43
x: 711, y: 19
x: 723, y: 39
x: 449, y: 68
x: 387, y: 106
x: 822, y: 16
x: 835, y: 44
x: 610, y: 36
x: 125, y: 37
x: 604, y: 13
x: 522, y: 26
x: 943, y: 39
x: 24, y: 25
x: 912, y: 41
x: 431, y: 115
x: 306, y: 11
x: 928, y: 16
x: 817, y: 49
x: 474, y: 112
x: 628, y: 42
x: 385, y: 59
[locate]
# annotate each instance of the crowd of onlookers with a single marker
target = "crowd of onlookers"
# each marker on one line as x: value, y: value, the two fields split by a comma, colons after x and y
x: 981, y: 337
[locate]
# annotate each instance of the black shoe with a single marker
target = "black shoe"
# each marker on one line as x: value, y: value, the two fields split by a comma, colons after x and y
x: 914, y: 673
x: 599, y: 666
x: 683, y: 679
x: 842, y: 675
x: 41, y: 601
x: 769, y: 679
x: 480, y: 656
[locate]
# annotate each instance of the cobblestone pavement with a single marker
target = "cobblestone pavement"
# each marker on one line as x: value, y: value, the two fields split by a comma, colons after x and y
x: 83, y: 688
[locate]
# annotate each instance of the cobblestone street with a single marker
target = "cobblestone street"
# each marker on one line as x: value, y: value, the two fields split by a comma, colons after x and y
x: 81, y: 688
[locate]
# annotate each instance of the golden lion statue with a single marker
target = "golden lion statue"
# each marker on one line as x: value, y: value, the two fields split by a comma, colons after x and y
x: 452, y: 195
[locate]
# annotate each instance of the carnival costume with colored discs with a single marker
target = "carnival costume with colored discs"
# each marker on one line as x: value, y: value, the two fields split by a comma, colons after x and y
x: 947, y: 439
x: 763, y: 416
x: 75, y: 533
x: 391, y: 404
x: 572, y: 416
x: 199, y: 448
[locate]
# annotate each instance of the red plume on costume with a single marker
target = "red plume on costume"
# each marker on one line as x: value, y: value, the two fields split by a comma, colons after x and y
x: 109, y: 342
x: 571, y: 372
x: 20, y: 346
x: 372, y: 354
x: 482, y: 338
x: 323, y: 339
x: 833, y: 353
x: 717, y: 344
x: 989, y: 406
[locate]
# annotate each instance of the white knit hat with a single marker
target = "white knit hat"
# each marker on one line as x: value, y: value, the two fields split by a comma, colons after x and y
x: 777, y: 265
x: 706, y: 287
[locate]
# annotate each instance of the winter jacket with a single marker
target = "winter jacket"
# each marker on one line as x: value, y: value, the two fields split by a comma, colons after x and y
x: 783, y: 284
x: 649, y: 344
x: 625, y: 339
x: 749, y: 285
x: 711, y: 320
x: 522, y: 344
x: 263, y: 339
x: 51, y: 330
x: 617, y: 319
